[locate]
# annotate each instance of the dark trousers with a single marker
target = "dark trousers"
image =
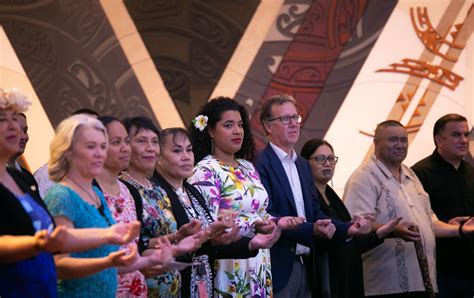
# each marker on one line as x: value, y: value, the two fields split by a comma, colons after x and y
x: 403, y: 295
x: 455, y: 286
x: 298, y: 284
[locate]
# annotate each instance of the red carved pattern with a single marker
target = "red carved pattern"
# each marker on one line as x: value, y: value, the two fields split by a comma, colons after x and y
x: 312, y: 54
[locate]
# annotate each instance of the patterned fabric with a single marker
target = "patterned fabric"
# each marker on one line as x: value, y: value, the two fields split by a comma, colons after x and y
x: 423, y: 262
x: 122, y: 207
x: 201, y: 273
x: 35, y: 276
x: 229, y: 189
x: 42, y: 178
x: 63, y: 201
x: 392, y: 267
x: 158, y: 220
x: 39, y: 217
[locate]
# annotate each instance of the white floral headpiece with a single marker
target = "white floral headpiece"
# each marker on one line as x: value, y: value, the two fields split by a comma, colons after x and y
x: 200, y: 122
x: 13, y: 99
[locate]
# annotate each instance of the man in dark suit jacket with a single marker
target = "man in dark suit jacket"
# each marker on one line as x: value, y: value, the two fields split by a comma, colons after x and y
x: 289, y: 182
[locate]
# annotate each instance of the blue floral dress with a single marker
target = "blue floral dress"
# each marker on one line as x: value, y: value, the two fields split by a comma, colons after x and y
x: 158, y: 220
x: 230, y: 189
x: 63, y: 201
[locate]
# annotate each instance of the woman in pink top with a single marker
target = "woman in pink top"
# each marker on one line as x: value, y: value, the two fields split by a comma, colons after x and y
x: 124, y: 203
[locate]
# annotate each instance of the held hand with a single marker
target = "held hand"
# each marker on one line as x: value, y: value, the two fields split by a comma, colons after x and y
x: 360, y: 226
x: 122, y: 233
x: 368, y: 216
x: 261, y: 241
x: 468, y: 227
x: 218, y: 227
x: 51, y: 242
x: 402, y: 230
x: 458, y: 220
x: 186, y: 245
x: 384, y: 230
x: 290, y: 222
x: 154, y: 270
x: 202, y: 236
x: 161, y: 254
x: 264, y: 226
x: 191, y: 228
x: 227, y: 219
x: 324, y: 228
x: 122, y: 258
x: 225, y: 238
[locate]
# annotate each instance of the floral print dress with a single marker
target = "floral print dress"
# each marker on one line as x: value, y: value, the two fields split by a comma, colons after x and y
x: 122, y: 207
x: 230, y: 189
x: 158, y: 220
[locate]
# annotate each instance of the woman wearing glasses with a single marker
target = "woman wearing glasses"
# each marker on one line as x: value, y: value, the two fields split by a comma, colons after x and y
x: 345, y: 262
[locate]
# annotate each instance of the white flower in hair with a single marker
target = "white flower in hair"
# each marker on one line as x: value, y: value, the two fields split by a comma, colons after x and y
x: 13, y: 99
x: 200, y: 122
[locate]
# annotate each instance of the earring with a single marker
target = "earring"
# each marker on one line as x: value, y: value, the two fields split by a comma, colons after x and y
x: 212, y: 146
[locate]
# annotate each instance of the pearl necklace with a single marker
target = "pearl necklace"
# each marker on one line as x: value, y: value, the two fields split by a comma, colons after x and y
x: 149, y: 186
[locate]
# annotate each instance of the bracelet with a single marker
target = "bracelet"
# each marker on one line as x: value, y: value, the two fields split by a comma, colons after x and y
x: 175, y: 241
x: 146, y: 243
x: 461, y: 232
x: 275, y: 219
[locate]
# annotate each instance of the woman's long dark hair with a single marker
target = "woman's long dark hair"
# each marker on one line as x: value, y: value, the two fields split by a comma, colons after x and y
x: 213, y: 109
x: 312, y: 145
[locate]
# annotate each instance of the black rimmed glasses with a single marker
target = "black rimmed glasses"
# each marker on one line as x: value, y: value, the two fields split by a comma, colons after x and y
x: 285, y: 119
x: 321, y: 159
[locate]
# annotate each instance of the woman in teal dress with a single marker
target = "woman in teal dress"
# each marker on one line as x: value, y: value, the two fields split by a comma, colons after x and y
x: 78, y: 151
x: 28, y: 237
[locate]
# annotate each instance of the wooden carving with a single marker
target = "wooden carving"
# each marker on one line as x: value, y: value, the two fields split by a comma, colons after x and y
x: 422, y: 69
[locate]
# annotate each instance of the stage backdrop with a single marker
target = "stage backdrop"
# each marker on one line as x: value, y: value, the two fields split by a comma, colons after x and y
x: 350, y: 64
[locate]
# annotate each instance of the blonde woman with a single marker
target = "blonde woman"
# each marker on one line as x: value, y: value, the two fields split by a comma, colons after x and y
x: 78, y: 151
x: 28, y: 236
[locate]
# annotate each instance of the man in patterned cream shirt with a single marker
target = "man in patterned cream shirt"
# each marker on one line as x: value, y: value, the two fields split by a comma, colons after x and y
x: 388, y: 189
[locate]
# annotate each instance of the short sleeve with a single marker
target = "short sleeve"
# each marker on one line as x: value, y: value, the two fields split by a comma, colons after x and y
x: 205, y: 179
x: 361, y: 194
x: 60, y: 202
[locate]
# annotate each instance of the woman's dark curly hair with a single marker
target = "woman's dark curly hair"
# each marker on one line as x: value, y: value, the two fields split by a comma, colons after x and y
x: 213, y: 109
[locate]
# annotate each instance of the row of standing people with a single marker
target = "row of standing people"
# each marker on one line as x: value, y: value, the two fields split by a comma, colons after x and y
x: 79, y: 151
x: 226, y: 181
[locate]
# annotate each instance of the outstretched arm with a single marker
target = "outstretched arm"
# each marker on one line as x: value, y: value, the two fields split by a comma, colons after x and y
x: 71, y: 268
x: 77, y: 240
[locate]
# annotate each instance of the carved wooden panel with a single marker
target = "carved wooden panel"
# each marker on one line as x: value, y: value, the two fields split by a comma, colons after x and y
x: 312, y: 54
x: 72, y: 57
x: 191, y: 43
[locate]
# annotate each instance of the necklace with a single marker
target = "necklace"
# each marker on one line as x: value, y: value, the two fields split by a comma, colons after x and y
x: 182, y: 195
x: 148, y: 186
x: 94, y: 199
x: 234, y: 163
